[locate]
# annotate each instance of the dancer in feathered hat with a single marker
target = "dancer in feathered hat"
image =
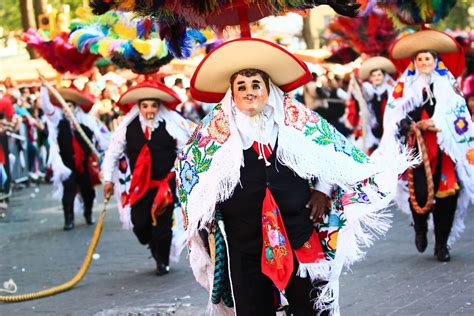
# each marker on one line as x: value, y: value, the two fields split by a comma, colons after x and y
x: 150, y: 135
x: 255, y: 224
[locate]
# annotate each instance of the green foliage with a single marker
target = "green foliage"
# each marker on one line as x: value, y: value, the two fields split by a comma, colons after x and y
x: 10, y: 18
x: 10, y: 15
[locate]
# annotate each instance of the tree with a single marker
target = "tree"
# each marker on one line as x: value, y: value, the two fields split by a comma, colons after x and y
x: 28, y: 21
x: 10, y: 12
x: 307, y: 34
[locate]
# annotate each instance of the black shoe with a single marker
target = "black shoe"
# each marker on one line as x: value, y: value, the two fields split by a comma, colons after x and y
x: 162, y: 269
x: 68, y: 226
x: 421, y: 242
x: 442, y: 253
x: 89, y: 220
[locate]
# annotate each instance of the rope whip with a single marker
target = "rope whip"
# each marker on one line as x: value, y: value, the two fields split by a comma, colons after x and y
x: 429, y: 176
x: 79, y: 275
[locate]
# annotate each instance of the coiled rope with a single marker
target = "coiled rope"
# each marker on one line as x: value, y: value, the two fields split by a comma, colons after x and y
x: 429, y: 176
x: 79, y: 275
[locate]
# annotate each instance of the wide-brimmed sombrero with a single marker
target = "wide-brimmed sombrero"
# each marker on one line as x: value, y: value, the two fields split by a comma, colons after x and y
x: 149, y: 90
x: 80, y: 98
x: 403, y: 50
x: 210, y: 81
x: 373, y: 63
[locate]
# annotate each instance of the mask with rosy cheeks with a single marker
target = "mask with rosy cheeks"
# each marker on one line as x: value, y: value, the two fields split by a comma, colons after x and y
x: 376, y: 77
x: 250, y: 94
x: 425, y: 63
x: 149, y: 108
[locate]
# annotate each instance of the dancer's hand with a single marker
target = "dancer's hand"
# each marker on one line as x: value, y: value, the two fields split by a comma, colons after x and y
x: 424, y: 125
x: 108, y: 189
x: 317, y: 204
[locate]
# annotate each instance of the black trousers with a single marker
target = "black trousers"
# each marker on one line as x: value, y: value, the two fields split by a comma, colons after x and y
x: 254, y: 292
x: 159, y: 236
x: 86, y: 189
x: 443, y: 210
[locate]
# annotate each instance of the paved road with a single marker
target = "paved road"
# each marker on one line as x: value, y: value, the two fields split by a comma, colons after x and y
x: 34, y: 251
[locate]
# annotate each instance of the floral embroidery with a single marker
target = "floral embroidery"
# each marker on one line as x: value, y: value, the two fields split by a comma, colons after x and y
x: 294, y: 116
x: 125, y: 199
x: 275, y: 247
x: 332, y: 242
x: 341, y: 144
x: 123, y: 165
x: 194, y: 134
x: 398, y: 91
x: 355, y: 197
x: 470, y: 156
x: 323, y: 133
x: 460, y: 125
x: 313, y: 118
x: 411, y: 69
x: 218, y: 128
x: 204, y: 141
x: 182, y: 156
x: 333, y: 221
x: 188, y: 177
x: 441, y: 68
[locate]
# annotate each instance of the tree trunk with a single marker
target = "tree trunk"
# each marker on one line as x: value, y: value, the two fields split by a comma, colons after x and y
x: 40, y: 7
x: 307, y: 34
x: 28, y: 21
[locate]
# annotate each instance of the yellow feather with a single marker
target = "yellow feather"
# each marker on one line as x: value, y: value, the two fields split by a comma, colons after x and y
x: 125, y: 32
x: 104, y: 46
x: 143, y: 47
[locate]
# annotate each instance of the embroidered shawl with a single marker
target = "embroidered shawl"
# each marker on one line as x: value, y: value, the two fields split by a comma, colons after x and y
x: 451, y: 116
x: 208, y: 170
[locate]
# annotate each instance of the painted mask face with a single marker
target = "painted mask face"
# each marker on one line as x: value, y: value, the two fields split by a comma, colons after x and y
x: 376, y: 77
x: 149, y: 108
x: 250, y: 94
x: 425, y: 63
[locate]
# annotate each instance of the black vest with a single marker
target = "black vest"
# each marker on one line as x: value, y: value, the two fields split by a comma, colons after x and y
x: 243, y: 211
x: 376, y: 105
x: 162, y: 148
x: 66, y: 150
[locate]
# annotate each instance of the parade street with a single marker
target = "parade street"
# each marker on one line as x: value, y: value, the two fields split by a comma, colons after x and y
x: 36, y: 254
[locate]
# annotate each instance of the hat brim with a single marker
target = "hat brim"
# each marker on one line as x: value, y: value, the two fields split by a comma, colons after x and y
x: 403, y: 50
x: 143, y: 92
x: 75, y: 96
x: 210, y: 81
x: 373, y: 63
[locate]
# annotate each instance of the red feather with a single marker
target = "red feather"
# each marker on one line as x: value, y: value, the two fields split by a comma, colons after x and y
x: 60, y: 54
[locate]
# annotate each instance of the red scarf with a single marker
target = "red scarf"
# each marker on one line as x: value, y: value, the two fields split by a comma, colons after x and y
x: 142, y: 182
x: 277, y: 255
x: 448, y: 182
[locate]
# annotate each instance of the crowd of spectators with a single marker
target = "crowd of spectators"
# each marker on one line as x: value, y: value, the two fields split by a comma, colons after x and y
x: 24, y: 134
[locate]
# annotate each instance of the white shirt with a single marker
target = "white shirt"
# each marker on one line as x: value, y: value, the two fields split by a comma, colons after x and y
x: 54, y: 115
x: 177, y: 130
x: 264, y: 129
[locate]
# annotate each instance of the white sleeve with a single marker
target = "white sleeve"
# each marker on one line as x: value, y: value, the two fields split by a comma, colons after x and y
x: 342, y: 94
x: 53, y: 115
x: 100, y: 137
x: 113, y: 153
x: 368, y: 90
x: 324, y: 188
